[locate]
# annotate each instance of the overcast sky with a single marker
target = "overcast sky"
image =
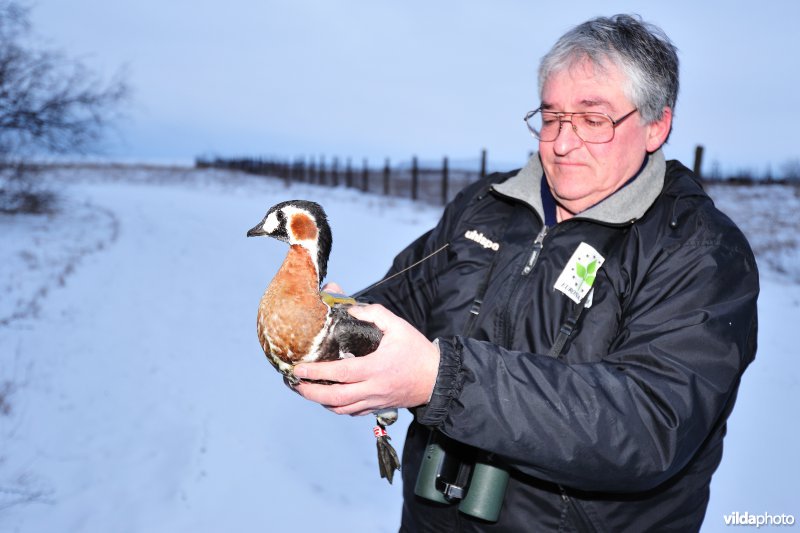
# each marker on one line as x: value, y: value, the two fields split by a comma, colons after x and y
x: 381, y: 78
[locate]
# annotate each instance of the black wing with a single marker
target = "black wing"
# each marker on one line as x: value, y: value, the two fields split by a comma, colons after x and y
x: 349, y: 335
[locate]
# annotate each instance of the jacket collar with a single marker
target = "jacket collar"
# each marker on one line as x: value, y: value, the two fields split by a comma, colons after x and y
x: 623, y: 206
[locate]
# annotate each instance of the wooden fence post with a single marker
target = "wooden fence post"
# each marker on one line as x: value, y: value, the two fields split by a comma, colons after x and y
x: 303, y: 169
x: 387, y: 171
x: 698, y: 160
x: 483, y: 163
x: 444, y: 180
x: 414, y: 178
x: 335, y: 172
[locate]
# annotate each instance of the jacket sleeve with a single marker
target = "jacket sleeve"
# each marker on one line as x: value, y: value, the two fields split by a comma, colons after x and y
x: 635, y: 418
x: 409, y: 293
x: 403, y: 293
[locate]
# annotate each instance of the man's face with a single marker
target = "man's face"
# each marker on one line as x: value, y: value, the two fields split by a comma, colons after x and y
x: 582, y: 174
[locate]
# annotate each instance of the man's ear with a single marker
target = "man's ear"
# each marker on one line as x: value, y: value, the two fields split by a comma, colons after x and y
x: 658, y: 131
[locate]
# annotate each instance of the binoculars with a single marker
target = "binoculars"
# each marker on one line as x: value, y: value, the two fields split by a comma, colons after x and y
x: 453, y: 472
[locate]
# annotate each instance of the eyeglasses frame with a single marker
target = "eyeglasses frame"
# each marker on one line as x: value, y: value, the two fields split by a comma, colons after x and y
x: 561, y: 120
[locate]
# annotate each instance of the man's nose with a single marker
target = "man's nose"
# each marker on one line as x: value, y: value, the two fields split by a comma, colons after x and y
x: 567, y: 139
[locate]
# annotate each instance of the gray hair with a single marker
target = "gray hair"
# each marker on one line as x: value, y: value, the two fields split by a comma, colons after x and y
x: 643, y: 53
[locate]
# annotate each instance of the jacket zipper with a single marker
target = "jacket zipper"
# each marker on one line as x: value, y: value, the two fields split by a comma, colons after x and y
x: 582, y: 522
x: 516, y: 294
x: 537, y: 249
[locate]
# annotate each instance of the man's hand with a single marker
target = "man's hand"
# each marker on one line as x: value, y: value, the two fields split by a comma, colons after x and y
x: 400, y: 373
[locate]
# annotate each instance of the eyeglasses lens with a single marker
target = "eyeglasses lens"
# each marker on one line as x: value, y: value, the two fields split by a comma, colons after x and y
x: 590, y: 127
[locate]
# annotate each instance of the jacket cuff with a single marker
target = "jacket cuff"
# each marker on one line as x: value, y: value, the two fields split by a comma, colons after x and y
x: 448, y: 384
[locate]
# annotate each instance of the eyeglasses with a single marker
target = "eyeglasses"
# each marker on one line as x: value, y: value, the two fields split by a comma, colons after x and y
x: 595, y: 128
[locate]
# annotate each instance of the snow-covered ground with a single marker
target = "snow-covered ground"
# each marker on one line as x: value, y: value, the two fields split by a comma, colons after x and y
x: 134, y: 396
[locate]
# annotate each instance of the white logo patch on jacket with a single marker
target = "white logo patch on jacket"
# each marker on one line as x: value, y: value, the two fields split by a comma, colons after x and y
x: 478, y: 237
x: 578, y: 276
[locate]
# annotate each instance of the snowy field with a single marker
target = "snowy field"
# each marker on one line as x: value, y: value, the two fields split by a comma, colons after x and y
x: 134, y: 396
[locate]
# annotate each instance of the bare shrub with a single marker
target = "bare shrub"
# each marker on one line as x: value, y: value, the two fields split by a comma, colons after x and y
x: 48, y: 104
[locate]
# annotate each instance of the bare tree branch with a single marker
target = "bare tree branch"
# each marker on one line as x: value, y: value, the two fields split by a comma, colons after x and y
x: 48, y: 103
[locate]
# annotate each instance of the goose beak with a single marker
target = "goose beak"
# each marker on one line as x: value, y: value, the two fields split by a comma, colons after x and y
x: 257, y: 231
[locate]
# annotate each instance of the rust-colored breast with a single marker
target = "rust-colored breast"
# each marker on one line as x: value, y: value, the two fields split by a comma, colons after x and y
x: 291, y: 313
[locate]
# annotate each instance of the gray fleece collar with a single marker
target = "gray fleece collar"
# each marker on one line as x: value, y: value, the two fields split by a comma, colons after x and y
x: 623, y: 206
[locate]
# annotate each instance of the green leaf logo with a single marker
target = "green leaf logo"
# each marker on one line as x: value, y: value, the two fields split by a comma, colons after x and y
x: 586, y: 273
x: 577, y: 279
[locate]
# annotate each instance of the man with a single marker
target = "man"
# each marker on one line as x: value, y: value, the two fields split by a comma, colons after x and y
x: 591, y: 316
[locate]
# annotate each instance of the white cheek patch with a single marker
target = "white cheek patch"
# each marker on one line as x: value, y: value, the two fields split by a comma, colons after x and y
x: 271, y: 224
